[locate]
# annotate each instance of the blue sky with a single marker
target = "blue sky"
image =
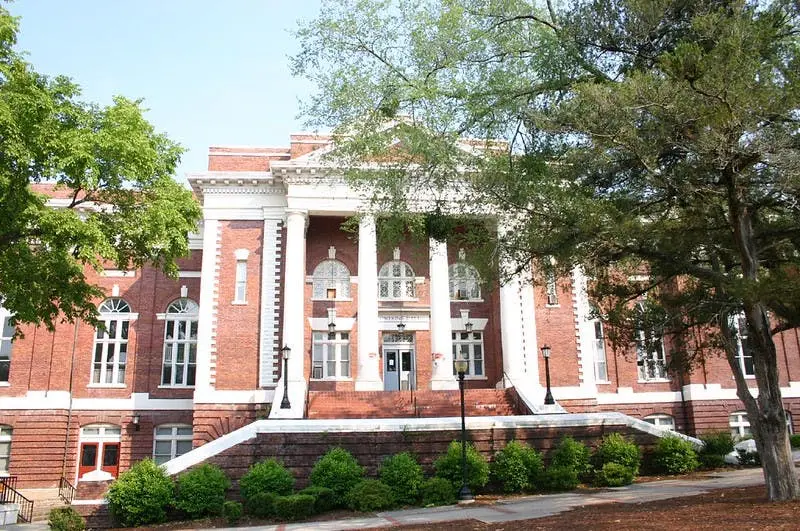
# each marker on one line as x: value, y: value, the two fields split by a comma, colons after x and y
x: 210, y: 73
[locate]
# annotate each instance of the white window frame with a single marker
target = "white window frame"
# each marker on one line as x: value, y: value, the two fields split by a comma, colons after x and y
x: 661, y: 420
x: 116, y: 316
x: 177, y: 434
x: 6, y: 432
x: 465, y: 282
x: 551, y: 288
x: 7, y: 333
x: 240, y: 283
x: 743, y: 350
x: 471, y: 344
x: 651, y: 359
x: 182, y: 314
x: 331, y: 349
x: 405, y: 281
x: 739, y: 424
x: 600, y: 359
x: 331, y: 274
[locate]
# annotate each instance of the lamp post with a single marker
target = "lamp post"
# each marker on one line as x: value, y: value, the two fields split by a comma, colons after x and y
x: 548, y: 396
x: 464, y: 495
x: 285, y: 402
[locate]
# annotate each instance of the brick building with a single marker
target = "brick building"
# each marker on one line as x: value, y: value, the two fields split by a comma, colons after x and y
x: 370, y: 333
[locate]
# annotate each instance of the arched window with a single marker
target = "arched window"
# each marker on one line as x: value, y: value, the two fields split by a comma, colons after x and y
x: 111, y: 343
x: 170, y: 441
x: 465, y: 283
x: 180, y: 343
x: 396, y: 281
x: 331, y: 280
x: 739, y: 424
x: 661, y: 420
x: 5, y: 447
x: 650, y: 356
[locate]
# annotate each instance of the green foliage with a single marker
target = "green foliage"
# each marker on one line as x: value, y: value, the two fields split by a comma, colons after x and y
x: 448, y: 466
x: 370, y: 495
x: 571, y: 454
x: 232, y: 511
x: 711, y: 461
x: 717, y: 443
x: 294, y: 506
x: 65, y: 519
x: 614, y: 448
x: 261, y: 504
x: 141, y: 495
x: 266, y: 476
x: 339, y: 471
x: 437, y: 491
x: 517, y: 467
x: 748, y: 458
x: 404, y: 475
x: 560, y: 478
x: 794, y: 440
x: 674, y: 455
x: 325, y: 498
x: 614, y: 475
x: 201, y: 491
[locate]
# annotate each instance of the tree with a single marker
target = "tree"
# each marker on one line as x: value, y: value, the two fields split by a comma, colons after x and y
x: 110, y: 197
x: 653, y: 143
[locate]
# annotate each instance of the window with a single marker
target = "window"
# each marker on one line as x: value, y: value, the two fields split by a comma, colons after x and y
x: 744, y: 348
x: 111, y: 343
x: 551, y: 288
x: 469, y: 345
x: 331, y: 280
x: 465, y: 284
x: 330, y: 355
x: 180, y: 343
x: 789, y: 425
x: 5, y: 448
x: 6, y: 342
x: 740, y: 426
x: 650, y: 357
x: 171, y: 441
x: 600, y: 365
x: 241, y: 282
x: 661, y: 420
x: 396, y: 281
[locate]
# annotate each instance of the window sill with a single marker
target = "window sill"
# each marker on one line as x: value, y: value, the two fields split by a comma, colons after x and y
x: 176, y: 386
x: 336, y: 299
x: 335, y: 379
x: 552, y: 306
x: 467, y: 377
x: 239, y: 303
x: 466, y: 300
x: 5, y: 384
x: 106, y: 386
x: 603, y: 382
x: 398, y: 300
x: 655, y: 380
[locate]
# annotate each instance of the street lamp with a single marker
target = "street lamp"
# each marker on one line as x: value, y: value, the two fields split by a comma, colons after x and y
x: 464, y: 495
x: 285, y: 402
x: 548, y: 396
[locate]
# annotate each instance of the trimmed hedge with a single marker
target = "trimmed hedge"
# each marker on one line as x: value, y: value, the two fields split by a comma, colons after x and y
x: 517, y: 467
x: 266, y: 476
x: 324, y: 498
x: 674, y: 455
x: 232, y: 511
x: 614, y: 448
x: 140, y: 495
x: 201, y: 491
x: 294, y: 506
x: 560, y: 478
x: 573, y: 455
x: 448, y: 467
x: 65, y: 519
x: 614, y: 475
x: 404, y: 476
x: 437, y: 491
x: 261, y: 504
x: 370, y: 495
x: 339, y: 471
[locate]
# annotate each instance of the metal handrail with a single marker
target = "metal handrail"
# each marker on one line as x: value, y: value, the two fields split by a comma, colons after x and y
x: 66, y: 491
x: 9, y: 494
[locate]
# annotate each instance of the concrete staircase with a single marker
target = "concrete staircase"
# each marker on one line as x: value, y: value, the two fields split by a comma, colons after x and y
x: 44, y: 500
x: 402, y: 404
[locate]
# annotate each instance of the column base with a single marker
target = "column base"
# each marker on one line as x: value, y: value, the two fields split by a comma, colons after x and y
x: 368, y: 385
x: 444, y: 384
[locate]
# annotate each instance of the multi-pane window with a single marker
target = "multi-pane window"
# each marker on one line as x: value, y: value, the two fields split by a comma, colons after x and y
x: 744, y: 347
x: 5, y: 447
x: 396, y: 281
x: 330, y: 355
x: 241, y: 281
x: 551, y: 288
x: 739, y: 424
x: 111, y: 343
x: 661, y: 420
x: 600, y: 365
x: 180, y: 343
x: 650, y: 356
x: 469, y: 346
x: 5, y: 347
x: 331, y: 280
x: 171, y: 441
x: 465, y: 284
x: 789, y: 424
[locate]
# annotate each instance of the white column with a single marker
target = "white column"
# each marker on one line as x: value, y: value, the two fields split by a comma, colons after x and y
x: 206, y: 324
x: 585, y: 331
x: 511, y: 330
x: 293, y: 319
x: 368, y: 378
x: 441, y: 331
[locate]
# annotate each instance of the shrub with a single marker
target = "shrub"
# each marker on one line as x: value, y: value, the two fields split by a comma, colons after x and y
x: 324, y: 498
x: 717, y: 443
x: 294, y: 506
x: 709, y: 461
x: 404, y: 476
x: 560, y: 477
x: 748, y: 458
x: 517, y: 467
x: 614, y: 475
x: 448, y: 466
x: 65, y: 519
x: 339, y: 471
x: 201, y: 491
x: 370, y: 495
x: 261, y: 504
x: 571, y: 454
x: 615, y: 448
x: 232, y: 511
x: 140, y: 495
x: 795, y: 441
x: 437, y: 491
x: 267, y: 476
x: 674, y: 455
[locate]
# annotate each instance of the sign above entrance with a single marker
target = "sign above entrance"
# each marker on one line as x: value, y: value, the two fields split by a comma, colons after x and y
x: 389, y: 322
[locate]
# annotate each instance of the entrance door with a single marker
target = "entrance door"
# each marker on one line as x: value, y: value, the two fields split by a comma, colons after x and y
x: 398, y: 368
x: 88, y: 460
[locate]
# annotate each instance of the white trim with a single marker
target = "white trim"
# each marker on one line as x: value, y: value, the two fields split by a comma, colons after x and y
x: 478, y: 324
x: 190, y: 274
x: 117, y: 273
x: 38, y: 400
x: 256, y: 396
x: 625, y: 395
x: 320, y: 324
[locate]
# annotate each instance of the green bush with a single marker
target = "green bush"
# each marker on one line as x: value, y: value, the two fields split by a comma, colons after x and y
x: 404, y: 476
x: 614, y: 475
x: 370, y: 495
x: 571, y: 454
x: 560, y: 477
x: 339, y: 471
x: 324, y: 498
x: 294, y: 506
x: 232, y: 511
x: 614, y: 448
x: 437, y: 491
x: 717, y: 443
x: 795, y: 441
x: 711, y: 461
x: 65, y: 519
x: 448, y: 466
x: 261, y: 504
x: 201, y: 491
x: 267, y: 476
x: 517, y: 467
x: 674, y: 455
x: 748, y: 458
x: 140, y: 495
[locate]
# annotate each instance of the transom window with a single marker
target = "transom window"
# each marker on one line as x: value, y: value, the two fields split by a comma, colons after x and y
x: 465, y: 284
x: 330, y: 355
x: 469, y: 345
x: 744, y: 347
x: 600, y: 365
x: 739, y: 424
x: 180, y: 344
x: 5, y: 447
x: 111, y: 343
x: 6, y: 342
x: 171, y: 441
x: 650, y: 356
x: 396, y: 281
x: 661, y: 420
x: 331, y: 280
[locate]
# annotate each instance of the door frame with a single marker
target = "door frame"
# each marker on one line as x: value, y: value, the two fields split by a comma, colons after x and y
x: 399, y: 343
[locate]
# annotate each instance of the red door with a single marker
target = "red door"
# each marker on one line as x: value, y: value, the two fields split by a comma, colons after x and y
x: 88, y: 460
x: 111, y: 458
